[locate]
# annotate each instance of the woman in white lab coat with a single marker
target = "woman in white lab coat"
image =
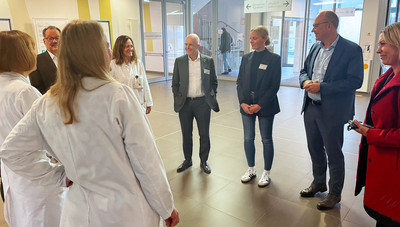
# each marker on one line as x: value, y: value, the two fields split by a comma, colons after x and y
x: 128, y: 69
x: 26, y: 202
x: 96, y: 128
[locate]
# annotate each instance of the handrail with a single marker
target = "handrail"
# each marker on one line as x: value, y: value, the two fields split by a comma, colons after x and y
x: 227, y: 25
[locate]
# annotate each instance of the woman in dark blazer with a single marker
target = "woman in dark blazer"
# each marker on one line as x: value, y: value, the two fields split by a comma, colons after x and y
x: 257, y: 84
x: 379, y: 157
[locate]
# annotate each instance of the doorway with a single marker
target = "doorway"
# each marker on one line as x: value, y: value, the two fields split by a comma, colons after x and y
x: 164, y: 32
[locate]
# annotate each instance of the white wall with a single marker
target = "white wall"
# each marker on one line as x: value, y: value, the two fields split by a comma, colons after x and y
x: 374, y: 15
x: 125, y: 15
x: 4, y: 9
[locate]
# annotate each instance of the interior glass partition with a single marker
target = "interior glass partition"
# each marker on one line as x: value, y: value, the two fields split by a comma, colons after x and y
x: 231, y: 17
x: 175, y: 34
x: 163, y: 24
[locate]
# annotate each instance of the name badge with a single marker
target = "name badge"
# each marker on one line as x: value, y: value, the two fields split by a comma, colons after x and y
x: 206, y: 71
x: 263, y: 67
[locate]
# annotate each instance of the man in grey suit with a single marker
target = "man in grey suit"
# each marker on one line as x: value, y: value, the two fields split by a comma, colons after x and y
x: 194, y: 85
x: 332, y: 72
x: 46, y: 72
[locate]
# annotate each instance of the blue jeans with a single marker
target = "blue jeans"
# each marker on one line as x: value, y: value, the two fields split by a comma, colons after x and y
x: 225, y: 57
x: 265, y: 125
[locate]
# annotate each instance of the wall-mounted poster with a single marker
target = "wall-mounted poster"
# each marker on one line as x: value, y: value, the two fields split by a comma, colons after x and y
x: 5, y: 24
x: 42, y: 23
x: 106, y: 28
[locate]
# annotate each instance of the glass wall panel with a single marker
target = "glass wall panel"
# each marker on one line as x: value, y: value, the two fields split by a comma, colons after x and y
x: 350, y: 25
x: 393, y: 12
x: 231, y: 17
x: 175, y: 34
x: 153, y: 39
x: 287, y: 39
x: 202, y: 24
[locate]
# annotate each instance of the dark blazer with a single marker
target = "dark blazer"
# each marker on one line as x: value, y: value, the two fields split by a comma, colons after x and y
x: 46, y: 73
x: 268, y: 82
x: 180, y: 81
x: 345, y: 74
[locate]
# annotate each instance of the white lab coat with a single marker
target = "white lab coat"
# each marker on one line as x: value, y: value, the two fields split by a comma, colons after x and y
x: 110, y: 155
x: 133, y: 75
x: 27, y: 204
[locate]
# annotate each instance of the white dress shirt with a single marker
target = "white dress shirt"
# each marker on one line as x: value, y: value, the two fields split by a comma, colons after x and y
x: 194, y: 89
x: 54, y: 58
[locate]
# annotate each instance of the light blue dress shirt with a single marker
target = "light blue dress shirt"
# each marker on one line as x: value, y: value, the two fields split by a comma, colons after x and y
x: 320, y: 65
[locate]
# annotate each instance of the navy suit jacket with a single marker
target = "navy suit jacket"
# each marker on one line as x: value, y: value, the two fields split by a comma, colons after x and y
x: 344, y: 75
x: 267, y: 85
x: 180, y: 81
x: 45, y: 74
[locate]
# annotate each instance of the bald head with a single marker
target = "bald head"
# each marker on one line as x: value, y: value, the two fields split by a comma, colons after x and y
x: 331, y: 17
x: 192, y: 45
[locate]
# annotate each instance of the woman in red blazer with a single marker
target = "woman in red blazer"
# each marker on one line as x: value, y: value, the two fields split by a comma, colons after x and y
x: 379, y: 157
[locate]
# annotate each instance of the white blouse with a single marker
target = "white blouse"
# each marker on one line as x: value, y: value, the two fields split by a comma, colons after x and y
x: 27, y: 203
x: 110, y: 154
x: 133, y: 75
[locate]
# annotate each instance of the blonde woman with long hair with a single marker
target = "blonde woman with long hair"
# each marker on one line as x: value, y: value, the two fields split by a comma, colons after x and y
x: 27, y: 203
x: 96, y: 128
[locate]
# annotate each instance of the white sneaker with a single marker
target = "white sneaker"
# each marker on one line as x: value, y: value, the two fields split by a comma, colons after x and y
x: 265, y: 179
x: 249, y: 175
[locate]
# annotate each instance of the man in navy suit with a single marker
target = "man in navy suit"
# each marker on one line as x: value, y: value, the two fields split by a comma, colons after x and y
x: 332, y: 72
x: 194, y: 85
x: 46, y: 72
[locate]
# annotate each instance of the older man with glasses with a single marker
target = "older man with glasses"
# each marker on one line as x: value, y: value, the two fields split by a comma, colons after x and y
x: 45, y: 74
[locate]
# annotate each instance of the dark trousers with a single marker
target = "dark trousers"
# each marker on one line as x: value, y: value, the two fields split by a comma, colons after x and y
x: 199, y: 109
x: 325, y: 139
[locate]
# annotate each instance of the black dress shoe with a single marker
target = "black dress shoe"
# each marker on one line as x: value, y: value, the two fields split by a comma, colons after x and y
x: 185, y: 164
x: 205, y: 167
x: 224, y: 73
x: 329, y: 202
x: 312, y: 190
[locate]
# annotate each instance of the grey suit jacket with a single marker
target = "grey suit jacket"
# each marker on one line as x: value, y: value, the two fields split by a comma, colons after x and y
x: 46, y: 73
x: 180, y: 81
x: 345, y: 74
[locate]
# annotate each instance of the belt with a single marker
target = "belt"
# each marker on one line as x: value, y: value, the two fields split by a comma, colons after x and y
x: 315, y: 102
x: 195, y: 98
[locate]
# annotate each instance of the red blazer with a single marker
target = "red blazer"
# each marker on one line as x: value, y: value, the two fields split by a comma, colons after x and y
x: 379, y: 156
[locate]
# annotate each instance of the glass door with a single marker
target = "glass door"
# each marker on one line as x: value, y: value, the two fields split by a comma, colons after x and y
x: 163, y: 25
x: 175, y: 34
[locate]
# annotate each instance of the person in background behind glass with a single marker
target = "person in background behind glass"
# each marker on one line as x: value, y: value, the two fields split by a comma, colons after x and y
x: 27, y: 203
x: 379, y: 157
x: 225, y: 48
x: 128, y: 69
x: 96, y: 128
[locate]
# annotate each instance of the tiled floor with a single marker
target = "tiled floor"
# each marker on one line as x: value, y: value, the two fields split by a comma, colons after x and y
x: 220, y: 199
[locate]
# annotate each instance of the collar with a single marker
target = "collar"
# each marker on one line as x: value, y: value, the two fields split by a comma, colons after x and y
x: 51, y: 54
x: 333, y: 45
x: 197, y: 59
x: 16, y: 75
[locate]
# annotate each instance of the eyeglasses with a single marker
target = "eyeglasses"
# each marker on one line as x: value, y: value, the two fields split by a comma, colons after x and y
x: 316, y: 25
x: 52, y: 38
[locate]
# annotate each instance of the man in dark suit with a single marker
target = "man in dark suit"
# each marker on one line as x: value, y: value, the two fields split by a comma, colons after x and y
x: 46, y: 72
x: 332, y: 72
x: 194, y: 85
